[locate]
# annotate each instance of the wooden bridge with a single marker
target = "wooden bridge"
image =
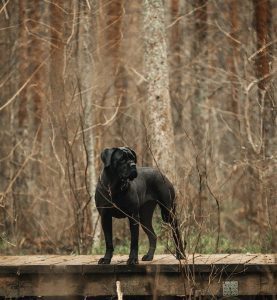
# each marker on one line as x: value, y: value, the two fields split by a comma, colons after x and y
x: 80, y: 275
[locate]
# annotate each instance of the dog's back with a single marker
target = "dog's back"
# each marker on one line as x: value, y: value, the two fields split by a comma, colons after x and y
x: 157, y: 189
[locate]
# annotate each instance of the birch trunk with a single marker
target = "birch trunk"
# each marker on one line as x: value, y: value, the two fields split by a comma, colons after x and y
x: 160, y: 131
x: 86, y: 71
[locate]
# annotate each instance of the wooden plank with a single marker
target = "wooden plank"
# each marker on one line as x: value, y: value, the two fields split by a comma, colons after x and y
x: 53, y: 264
x: 9, y: 286
x: 13, y: 263
x: 33, y: 264
x: 268, y: 282
x: 162, y: 263
x: 168, y: 264
x: 234, y: 263
x: 103, y: 284
x: 201, y: 263
x: 263, y: 263
x: 264, y: 259
x: 7, y: 259
x: 209, y: 258
x: 142, y: 267
x: 75, y: 264
x: 238, y: 259
x: 25, y: 259
x: 162, y: 284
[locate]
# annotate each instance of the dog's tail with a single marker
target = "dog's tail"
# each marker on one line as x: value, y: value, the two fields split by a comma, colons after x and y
x: 167, y: 204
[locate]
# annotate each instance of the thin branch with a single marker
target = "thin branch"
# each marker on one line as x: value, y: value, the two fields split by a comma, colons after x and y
x: 8, y: 102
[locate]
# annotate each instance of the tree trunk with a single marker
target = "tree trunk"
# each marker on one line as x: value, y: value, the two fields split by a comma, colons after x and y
x: 8, y: 75
x: 20, y: 189
x: 267, y: 171
x: 199, y: 117
x: 86, y: 71
x: 177, y: 86
x: 198, y: 53
x: 160, y: 131
x: 176, y: 43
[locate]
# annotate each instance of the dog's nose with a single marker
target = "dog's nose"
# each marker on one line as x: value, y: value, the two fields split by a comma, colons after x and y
x: 133, y: 174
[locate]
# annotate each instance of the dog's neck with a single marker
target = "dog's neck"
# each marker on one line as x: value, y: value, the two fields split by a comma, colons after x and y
x: 113, y: 183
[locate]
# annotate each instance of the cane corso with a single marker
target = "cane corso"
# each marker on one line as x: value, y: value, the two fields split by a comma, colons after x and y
x: 125, y: 190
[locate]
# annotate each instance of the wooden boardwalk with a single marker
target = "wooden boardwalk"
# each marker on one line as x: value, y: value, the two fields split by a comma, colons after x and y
x: 80, y: 275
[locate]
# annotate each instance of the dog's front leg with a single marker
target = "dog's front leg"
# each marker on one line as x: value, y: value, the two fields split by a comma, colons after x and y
x: 106, y: 221
x: 134, y: 228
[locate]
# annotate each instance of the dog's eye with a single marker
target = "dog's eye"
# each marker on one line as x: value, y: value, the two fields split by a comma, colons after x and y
x: 131, y: 157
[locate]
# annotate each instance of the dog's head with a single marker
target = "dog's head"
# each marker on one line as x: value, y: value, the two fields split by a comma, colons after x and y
x: 122, y: 161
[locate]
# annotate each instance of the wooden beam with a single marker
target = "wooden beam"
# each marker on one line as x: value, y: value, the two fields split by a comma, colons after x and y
x: 81, y: 275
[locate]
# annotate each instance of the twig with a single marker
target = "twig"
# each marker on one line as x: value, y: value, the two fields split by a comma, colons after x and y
x: 8, y: 102
x: 118, y: 290
x: 4, y: 8
x: 21, y: 168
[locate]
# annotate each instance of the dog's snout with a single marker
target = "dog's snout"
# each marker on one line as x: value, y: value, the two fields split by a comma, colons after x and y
x: 133, y: 173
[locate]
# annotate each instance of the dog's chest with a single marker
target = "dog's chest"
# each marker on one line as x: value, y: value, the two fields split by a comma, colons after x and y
x: 121, y: 207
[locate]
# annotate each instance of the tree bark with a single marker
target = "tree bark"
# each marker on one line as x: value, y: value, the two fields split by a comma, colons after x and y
x: 267, y: 216
x: 86, y: 73
x: 176, y: 43
x: 8, y: 75
x: 199, y: 117
x: 160, y: 131
x: 199, y: 123
x: 20, y: 189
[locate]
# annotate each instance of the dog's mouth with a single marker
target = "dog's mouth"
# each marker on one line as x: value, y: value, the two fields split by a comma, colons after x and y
x: 133, y: 174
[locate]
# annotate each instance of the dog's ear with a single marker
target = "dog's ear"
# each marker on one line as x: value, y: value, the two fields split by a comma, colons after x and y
x: 133, y: 154
x: 106, y: 156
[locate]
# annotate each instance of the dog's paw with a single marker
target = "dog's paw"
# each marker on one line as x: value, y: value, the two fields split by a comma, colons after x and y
x: 147, y: 257
x: 104, y: 261
x: 132, y: 261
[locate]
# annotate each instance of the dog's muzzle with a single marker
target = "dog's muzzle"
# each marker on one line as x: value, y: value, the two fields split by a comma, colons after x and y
x: 133, y: 172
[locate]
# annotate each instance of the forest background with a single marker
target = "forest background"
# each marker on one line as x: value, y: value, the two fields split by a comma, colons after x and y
x: 189, y: 85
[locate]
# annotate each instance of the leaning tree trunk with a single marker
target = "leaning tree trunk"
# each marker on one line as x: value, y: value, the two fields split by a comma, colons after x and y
x: 160, y: 131
x: 86, y: 71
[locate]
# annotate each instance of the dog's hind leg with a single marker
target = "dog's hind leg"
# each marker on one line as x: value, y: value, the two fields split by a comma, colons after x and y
x: 146, y: 216
x: 167, y: 203
x: 169, y: 217
x: 180, y: 251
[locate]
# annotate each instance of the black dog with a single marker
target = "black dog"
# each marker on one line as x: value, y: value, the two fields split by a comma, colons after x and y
x: 123, y: 190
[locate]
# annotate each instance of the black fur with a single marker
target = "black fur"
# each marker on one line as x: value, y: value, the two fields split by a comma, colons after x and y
x: 124, y: 190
